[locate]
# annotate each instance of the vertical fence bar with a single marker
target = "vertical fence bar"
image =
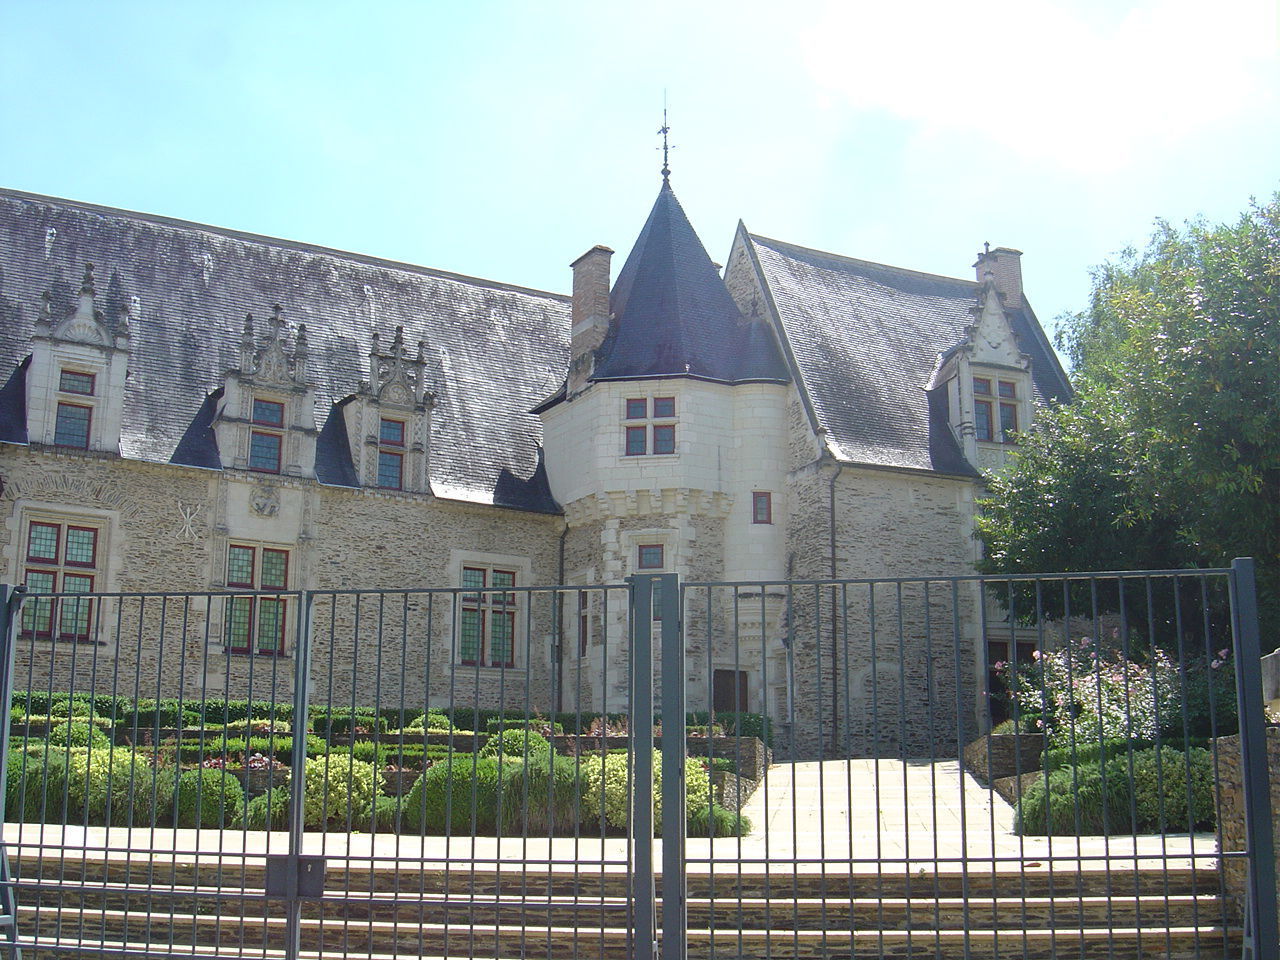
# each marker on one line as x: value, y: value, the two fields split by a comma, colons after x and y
x: 644, y: 931
x: 10, y: 605
x: 1260, y: 908
x: 674, y: 918
x: 297, y: 776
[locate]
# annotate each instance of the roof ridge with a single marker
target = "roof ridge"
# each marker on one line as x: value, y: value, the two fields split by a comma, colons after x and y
x: 267, y: 240
x: 870, y: 263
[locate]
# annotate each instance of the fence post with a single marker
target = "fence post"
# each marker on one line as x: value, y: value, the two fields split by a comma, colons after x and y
x: 298, y: 774
x: 674, y: 916
x: 644, y: 929
x: 1262, y: 942
x: 10, y: 607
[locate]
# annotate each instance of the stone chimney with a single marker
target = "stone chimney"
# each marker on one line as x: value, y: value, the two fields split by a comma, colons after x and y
x: 1005, y: 267
x: 590, y: 318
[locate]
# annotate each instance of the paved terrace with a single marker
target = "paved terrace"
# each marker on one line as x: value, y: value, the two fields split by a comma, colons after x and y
x: 855, y: 816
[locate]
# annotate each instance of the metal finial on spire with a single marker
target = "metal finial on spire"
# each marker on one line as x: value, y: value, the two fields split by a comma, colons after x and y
x: 664, y: 130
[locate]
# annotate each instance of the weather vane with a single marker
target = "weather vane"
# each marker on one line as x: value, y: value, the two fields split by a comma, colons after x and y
x: 664, y: 130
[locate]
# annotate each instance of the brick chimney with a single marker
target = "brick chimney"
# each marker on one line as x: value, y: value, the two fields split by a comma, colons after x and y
x: 590, y: 317
x: 1005, y: 266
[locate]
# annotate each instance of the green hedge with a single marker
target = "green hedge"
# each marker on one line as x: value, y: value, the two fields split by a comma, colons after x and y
x: 1144, y: 792
x: 208, y: 797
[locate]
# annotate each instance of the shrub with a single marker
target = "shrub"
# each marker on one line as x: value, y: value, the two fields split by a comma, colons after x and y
x: 1086, y: 694
x: 1077, y: 801
x: 208, y: 797
x: 35, y: 784
x: 459, y: 795
x: 1209, y: 696
x: 1160, y: 787
x: 116, y: 788
x: 383, y: 817
x: 71, y: 734
x: 1093, y: 751
x: 716, y: 821
x: 268, y: 811
x: 338, y: 787
x: 521, y: 743
x: 605, y: 787
x: 544, y: 798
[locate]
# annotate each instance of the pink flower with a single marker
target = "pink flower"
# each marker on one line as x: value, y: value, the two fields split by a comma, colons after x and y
x: 1223, y: 654
x: 1216, y: 664
x: 999, y: 665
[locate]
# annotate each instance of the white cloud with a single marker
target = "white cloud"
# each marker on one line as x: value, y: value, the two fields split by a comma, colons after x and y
x: 1090, y: 90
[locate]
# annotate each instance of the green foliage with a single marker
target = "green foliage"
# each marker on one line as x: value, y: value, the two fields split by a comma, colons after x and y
x: 338, y: 787
x: 1170, y: 454
x: 1163, y: 778
x: 606, y: 787
x: 268, y: 811
x: 208, y: 797
x: 716, y: 821
x: 1073, y: 801
x: 460, y: 795
x: 544, y: 798
x: 341, y: 721
x: 1144, y: 792
x: 35, y: 784
x: 71, y: 734
x: 521, y: 743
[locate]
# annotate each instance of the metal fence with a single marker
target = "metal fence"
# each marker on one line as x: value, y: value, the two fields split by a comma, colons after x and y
x: 793, y: 769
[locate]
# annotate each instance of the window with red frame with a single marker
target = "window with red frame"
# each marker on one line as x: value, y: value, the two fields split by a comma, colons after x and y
x: 391, y: 461
x: 60, y: 558
x: 73, y: 381
x: 71, y: 425
x: 983, y: 419
x: 487, y: 618
x: 256, y: 624
x: 264, y: 446
x: 761, y: 507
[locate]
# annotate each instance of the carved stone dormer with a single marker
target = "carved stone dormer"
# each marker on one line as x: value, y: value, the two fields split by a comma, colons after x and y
x: 389, y: 419
x: 988, y: 380
x: 267, y: 421
x: 79, y: 362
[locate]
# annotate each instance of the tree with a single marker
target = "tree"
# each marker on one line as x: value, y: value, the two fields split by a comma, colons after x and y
x: 1169, y: 455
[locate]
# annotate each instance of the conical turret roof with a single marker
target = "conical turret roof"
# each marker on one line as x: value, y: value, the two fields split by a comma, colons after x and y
x: 673, y: 315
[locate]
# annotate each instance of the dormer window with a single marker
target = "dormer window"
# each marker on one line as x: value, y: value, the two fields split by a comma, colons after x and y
x: 75, y: 381
x: 264, y: 446
x: 391, y: 454
x: 989, y: 404
x: 71, y: 426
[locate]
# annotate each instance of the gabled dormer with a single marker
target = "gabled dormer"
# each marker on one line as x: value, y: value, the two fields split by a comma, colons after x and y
x: 988, y: 375
x: 266, y: 421
x: 76, y: 381
x: 389, y: 419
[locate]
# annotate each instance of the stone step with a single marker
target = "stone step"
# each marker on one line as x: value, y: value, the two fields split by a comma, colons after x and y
x: 1044, y: 879
x: 724, y: 913
x: 112, y: 933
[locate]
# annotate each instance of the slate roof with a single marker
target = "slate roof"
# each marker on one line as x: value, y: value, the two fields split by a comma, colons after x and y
x: 865, y: 339
x: 673, y: 315
x: 494, y: 349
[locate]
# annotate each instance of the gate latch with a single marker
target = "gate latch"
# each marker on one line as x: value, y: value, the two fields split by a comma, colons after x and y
x: 301, y: 877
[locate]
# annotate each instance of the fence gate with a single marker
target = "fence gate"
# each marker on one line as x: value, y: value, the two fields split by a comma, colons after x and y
x: 792, y: 769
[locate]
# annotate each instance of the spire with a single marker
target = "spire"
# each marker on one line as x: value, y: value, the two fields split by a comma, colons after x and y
x: 86, y: 309
x: 664, y: 130
x: 673, y: 315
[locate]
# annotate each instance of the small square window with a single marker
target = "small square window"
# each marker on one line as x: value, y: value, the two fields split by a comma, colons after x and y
x: 390, y: 470
x: 268, y: 413
x: 637, y: 409
x: 649, y: 556
x: 391, y: 432
x: 42, y: 542
x: 664, y: 407
x: 635, y: 441
x: 73, y: 381
x: 1008, y: 390
x: 264, y: 452
x: 71, y: 428
x: 240, y: 567
x: 664, y: 439
x: 761, y: 507
x: 82, y: 547
x: 982, y: 385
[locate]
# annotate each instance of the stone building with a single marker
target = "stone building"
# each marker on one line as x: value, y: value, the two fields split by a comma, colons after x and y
x: 203, y: 410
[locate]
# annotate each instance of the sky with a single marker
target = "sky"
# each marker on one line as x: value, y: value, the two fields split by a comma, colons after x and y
x: 503, y: 139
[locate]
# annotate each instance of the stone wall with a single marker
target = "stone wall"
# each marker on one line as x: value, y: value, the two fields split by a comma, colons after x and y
x: 1231, y: 808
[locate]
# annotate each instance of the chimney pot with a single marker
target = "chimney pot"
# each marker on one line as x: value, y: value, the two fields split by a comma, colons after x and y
x: 590, y: 313
x: 1004, y: 267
